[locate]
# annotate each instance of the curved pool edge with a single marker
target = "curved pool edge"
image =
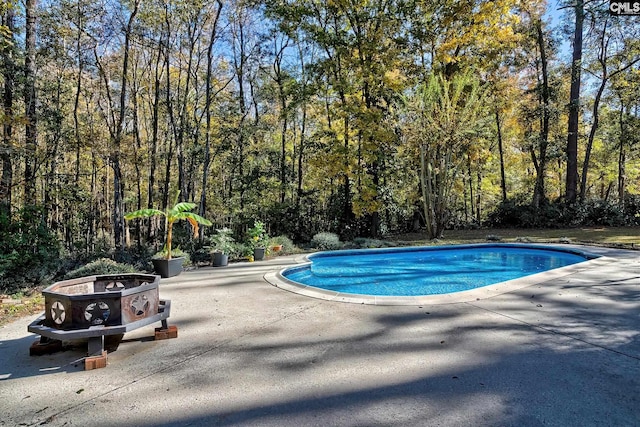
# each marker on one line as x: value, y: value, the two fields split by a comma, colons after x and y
x: 277, y: 279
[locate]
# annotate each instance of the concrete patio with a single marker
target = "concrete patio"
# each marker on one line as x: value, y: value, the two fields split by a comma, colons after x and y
x: 560, y: 352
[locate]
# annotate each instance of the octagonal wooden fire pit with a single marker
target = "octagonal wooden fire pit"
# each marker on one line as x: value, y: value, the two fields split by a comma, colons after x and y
x: 97, y: 306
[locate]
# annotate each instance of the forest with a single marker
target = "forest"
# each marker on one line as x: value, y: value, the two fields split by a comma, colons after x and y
x: 357, y: 117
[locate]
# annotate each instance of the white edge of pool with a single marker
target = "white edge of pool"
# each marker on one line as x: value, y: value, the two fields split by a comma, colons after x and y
x: 277, y: 279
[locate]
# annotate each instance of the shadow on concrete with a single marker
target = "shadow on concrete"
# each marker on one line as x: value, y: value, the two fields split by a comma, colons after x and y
x: 16, y: 362
x: 557, y: 382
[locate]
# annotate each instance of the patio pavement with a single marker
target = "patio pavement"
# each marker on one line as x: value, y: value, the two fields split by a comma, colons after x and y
x: 561, y: 352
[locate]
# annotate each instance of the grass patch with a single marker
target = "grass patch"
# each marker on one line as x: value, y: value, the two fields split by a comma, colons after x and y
x: 15, y: 306
x: 611, y: 236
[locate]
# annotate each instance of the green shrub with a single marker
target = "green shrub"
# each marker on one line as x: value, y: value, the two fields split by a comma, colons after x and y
x: 599, y: 212
x: 632, y: 209
x: 241, y: 250
x: 594, y: 212
x: 288, y: 246
x: 100, y: 266
x: 326, y: 241
x: 521, y: 214
x: 29, y: 250
x: 199, y: 256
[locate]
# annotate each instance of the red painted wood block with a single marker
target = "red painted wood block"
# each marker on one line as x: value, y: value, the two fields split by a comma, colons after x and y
x: 165, y: 334
x: 95, y: 362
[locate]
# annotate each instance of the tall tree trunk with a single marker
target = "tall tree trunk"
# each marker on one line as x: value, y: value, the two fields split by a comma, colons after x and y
x: 239, y: 63
x: 278, y: 77
x: 169, y: 105
x: 503, y: 181
x: 118, y: 183
x: 303, y: 124
x: 137, y: 161
x: 6, y: 180
x: 427, y: 191
x: 52, y: 158
x: 478, y: 194
x: 31, y: 134
x: 301, y: 150
x: 182, y: 118
x: 283, y: 141
x: 592, y: 134
x: 574, y: 107
x: 92, y: 229
x: 153, y: 149
x: 541, y: 164
x: 208, y: 99
x: 347, y: 208
x: 602, y: 59
x: 621, y: 156
x: 470, y: 183
x: 76, y: 101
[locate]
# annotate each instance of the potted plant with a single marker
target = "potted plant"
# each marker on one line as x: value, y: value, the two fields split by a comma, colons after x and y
x: 280, y: 244
x: 224, y: 246
x: 258, y: 240
x: 168, y: 266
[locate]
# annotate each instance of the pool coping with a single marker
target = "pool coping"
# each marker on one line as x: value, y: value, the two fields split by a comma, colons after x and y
x: 277, y: 279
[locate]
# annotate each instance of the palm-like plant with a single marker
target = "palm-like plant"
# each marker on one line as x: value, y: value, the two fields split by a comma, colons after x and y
x: 179, y: 211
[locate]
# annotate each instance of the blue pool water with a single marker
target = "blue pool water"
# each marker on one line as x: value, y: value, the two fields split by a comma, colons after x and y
x: 426, y: 270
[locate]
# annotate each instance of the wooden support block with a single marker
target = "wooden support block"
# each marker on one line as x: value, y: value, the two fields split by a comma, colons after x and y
x: 168, y: 333
x: 38, y: 348
x: 95, y: 362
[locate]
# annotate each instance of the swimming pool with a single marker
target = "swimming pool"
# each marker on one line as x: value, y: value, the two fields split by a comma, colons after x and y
x: 423, y: 271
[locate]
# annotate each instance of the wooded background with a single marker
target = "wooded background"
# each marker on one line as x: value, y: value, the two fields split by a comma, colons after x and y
x: 358, y: 117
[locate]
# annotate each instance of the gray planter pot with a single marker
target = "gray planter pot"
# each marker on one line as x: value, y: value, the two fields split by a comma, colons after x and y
x: 220, y: 259
x: 258, y: 254
x: 168, y: 267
